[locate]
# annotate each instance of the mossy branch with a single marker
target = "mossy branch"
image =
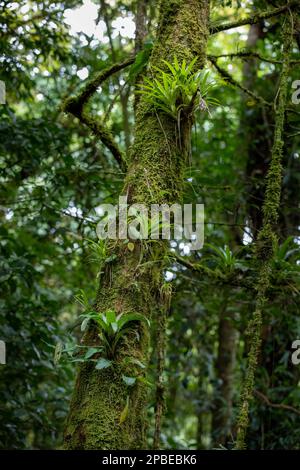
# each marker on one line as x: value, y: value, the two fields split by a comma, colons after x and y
x: 106, y: 138
x: 79, y: 101
x: 228, y: 78
x: 267, y: 238
x: 245, y: 55
x: 253, y: 19
x: 236, y: 278
x: 215, y: 275
x: 76, y: 106
x: 197, y: 267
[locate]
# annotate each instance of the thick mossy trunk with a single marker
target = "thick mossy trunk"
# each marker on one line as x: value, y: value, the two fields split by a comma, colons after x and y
x: 155, y: 175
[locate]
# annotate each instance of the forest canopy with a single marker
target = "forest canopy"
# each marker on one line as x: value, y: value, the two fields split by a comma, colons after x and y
x: 188, y: 341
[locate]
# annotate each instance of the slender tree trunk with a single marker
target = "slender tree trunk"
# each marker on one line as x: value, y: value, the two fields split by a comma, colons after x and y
x: 267, y: 239
x: 251, y: 123
x: 155, y: 175
x: 221, y: 423
x: 256, y: 125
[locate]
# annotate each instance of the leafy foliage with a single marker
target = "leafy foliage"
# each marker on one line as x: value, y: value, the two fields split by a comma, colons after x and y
x: 179, y: 90
x: 112, y: 327
x: 53, y: 176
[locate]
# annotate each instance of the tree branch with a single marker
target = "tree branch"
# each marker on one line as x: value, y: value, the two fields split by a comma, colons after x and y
x: 266, y: 400
x: 229, y: 79
x: 253, y: 19
x: 106, y: 138
x: 197, y: 267
x: 244, y: 55
x: 76, y: 104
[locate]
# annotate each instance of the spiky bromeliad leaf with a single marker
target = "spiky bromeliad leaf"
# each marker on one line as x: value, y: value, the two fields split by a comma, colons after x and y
x: 129, y: 317
x: 174, y: 91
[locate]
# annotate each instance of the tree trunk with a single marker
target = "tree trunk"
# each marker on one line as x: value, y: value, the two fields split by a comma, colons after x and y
x: 225, y: 364
x: 155, y: 175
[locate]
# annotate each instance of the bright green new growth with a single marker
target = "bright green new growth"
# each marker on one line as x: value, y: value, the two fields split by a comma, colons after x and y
x: 180, y: 90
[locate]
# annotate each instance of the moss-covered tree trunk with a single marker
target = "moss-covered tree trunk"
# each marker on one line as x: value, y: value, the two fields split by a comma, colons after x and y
x: 267, y: 239
x: 98, y: 417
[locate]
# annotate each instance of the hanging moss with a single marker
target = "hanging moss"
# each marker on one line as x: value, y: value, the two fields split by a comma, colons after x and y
x: 267, y: 238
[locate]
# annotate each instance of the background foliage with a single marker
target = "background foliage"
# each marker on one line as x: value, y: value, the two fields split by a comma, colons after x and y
x: 54, y: 174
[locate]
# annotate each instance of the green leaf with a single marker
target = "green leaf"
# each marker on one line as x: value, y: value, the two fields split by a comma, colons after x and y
x: 90, y: 352
x: 130, y: 381
x: 101, y: 321
x: 130, y: 246
x: 84, y: 324
x: 140, y: 62
x: 146, y: 382
x: 114, y: 327
x: 58, y: 352
x: 128, y: 317
x: 103, y: 363
x: 110, y: 316
x: 133, y: 360
x: 82, y: 299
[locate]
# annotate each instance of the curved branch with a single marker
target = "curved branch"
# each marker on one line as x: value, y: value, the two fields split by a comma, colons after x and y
x: 253, y: 19
x: 106, y: 138
x: 75, y: 105
x: 229, y: 79
x: 266, y: 400
x: 79, y: 101
x: 244, y: 55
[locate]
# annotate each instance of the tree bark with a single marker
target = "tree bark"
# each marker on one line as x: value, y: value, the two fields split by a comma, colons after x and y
x: 155, y: 175
x: 222, y: 415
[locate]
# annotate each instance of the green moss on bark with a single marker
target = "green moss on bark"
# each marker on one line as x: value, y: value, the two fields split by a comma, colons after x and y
x: 267, y: 238
x: 155, y: 175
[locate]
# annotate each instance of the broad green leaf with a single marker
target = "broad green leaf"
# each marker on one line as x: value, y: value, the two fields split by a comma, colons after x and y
x: 103, y: 363
x: 90, y: 352
x: 84, y: 324
x: 110, y: 316
x: 130, y: 381
x: 128, y: 317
